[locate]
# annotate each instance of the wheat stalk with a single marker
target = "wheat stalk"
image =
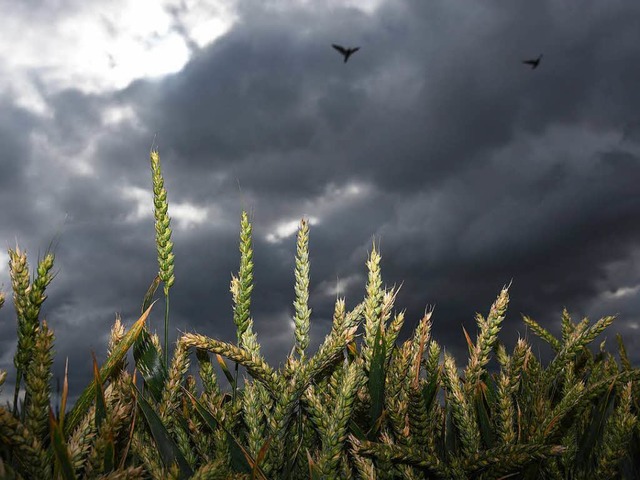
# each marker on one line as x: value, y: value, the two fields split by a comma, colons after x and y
x: 164, y: 245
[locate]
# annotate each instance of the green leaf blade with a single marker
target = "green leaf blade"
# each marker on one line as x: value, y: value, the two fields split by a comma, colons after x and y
x: 376, y: 381
x: 150, y: 363
x: 60, y: 449
x: 169, y: 451
x: 88, y: 395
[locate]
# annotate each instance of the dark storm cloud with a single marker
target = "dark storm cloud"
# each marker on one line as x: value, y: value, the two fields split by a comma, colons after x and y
x: 265, y: 101
x: 473, y: 170
x: 15, y: 126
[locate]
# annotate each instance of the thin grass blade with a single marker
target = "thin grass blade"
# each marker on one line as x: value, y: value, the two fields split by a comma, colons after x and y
x: 101, y: 405
x: 352, y: 350
x: 150, y: 293
x: 88, y: 395
x: 131, y: 430
x: 65, y: 393
x: 150, y: 363
x: 60, y: 449
x: 624, y: 358
x: 452, y: 435
x: 484, y: 422
x: 109, y: 455
x: 261, y: 454
x: 356, y: 430
x: 376, y: 380
x: 225, y: 369
x: 314, y: 471
x: 240, y: 463
x: 169, y: 451
x: 469, y: 341
x: 6, y: 472
x: 429, y: 391
x: 600, y: 413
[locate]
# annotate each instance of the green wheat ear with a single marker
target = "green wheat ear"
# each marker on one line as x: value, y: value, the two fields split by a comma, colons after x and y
x: 373, y: 305
x: 163, y: 241
x: 38, y: 380
x: 242, y: 285
x: 241, y: 288
x: 27, y: 300
x: 19, y: 273
x: 301, y: 306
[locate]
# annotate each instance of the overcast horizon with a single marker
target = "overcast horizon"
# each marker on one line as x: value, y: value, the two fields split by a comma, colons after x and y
x: 468, y: 167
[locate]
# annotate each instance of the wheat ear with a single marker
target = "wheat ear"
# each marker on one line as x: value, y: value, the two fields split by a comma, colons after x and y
x: 163, y: 241
x: 301, y: 306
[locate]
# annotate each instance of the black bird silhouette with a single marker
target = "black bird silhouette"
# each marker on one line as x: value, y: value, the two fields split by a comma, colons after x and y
x: 347, y: 52
x: 534, y: 63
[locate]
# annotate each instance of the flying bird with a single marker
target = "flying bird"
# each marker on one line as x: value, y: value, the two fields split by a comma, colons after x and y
x: 347, y: 52
x: 534, y: 63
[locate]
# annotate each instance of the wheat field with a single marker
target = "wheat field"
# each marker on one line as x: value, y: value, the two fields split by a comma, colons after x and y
x: 362, y: 406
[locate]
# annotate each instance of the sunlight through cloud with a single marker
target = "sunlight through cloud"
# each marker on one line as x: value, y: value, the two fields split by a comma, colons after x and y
x: 183, y: 215
x: 102, y: 50
x: 286, y: 229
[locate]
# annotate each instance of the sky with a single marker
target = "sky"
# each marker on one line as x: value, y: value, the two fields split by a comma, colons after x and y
x: 468, y: 168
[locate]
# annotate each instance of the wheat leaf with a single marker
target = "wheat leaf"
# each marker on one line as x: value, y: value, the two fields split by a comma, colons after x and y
x: 150, y: 363
x: 60, y: 449
x: 241, y: 463
x: 119, y: 352
x: 109, y: 454
x: 101, y: 407
x: 150, y: 293
x: 314, y: 471
x: 469, y: 341
x: 169, y: 451
x: 484, y: 421
x: 376, y: 380
x: 226, y: 371
x: 598, y: 418
x: 260, y: 457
